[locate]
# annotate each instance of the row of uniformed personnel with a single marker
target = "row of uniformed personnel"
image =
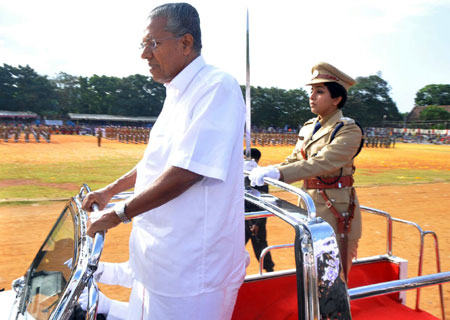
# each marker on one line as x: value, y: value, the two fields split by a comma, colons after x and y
x: 128, y: 134
x: 379, y: 142
x: 15, y: 131
x: 265, y: 139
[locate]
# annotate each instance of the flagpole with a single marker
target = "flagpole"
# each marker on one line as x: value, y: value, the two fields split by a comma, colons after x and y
x: 248, y: 98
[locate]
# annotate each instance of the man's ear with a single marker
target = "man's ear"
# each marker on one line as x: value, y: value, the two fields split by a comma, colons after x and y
x: 188, y: 44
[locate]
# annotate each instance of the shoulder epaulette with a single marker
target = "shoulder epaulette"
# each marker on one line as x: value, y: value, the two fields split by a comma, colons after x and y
x: 346, y: 120
x: 309, y: 121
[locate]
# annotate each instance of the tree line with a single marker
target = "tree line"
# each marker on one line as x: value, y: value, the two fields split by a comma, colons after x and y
x: 433, y: 96
x: 23, y: 89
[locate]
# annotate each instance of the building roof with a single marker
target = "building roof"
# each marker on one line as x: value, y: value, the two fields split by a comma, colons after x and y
x: 415, y: 112
x: 18, y: 114
x: 107, y: 117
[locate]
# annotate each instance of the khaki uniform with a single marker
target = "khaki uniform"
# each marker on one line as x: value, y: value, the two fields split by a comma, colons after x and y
x: 325, y: 159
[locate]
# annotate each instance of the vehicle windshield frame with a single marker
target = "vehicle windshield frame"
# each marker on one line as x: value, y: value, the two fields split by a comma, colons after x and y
x: 67, y: 213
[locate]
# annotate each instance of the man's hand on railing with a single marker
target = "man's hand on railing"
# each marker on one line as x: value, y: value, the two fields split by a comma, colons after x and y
x: 102, y: 221
x: 100, y: 197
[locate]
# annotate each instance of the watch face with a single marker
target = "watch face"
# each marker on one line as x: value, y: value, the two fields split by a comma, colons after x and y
x: 119, y: 209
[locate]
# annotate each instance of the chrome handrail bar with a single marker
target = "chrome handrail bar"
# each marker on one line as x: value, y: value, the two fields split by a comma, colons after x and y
x: 421, y: 252
x: 307, y: 200
x: 389, y: 225
x: 310, y: 206
x: 421, y: 249
x: 422, y: 233
x: 438, y: 269
x: 299, y: 220
x: 270, y: 248
x: 94, y: 258
x: 265, y: 214
x: 99, y: 238
x: 398, y: 285
x: 289, y: 217
x: 258, y: 214
x: 123, y: 195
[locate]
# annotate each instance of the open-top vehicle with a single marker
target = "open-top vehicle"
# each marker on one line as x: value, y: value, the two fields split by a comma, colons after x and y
x: 66, y: 261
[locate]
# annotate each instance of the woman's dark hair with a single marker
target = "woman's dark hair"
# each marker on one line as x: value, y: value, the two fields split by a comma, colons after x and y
x: 336, y: 90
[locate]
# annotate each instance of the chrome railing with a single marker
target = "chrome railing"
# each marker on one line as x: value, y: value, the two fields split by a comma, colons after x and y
x: 398, y: 285
x: 309, y: 203
x: 94, y: 258
x: 366, y: 291
x: 422, y: 234
x: 308, y: 229
x: 267, y: 250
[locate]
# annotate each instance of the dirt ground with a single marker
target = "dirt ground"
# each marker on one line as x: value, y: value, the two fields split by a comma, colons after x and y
x: 24, y: 228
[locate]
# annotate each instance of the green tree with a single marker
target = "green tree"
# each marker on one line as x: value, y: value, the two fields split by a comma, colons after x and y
x: 86, y: 97
x: 68, y: 90
x: 140, y: 96
x: 105, y: 91
x: 295, y: 108
x: 434, y: 113
x: 23, y: 89
x: 433, y: 94
x: 135, y: 95
x: 369, y: 102
x: 8, y: 88
x: 278, y: 107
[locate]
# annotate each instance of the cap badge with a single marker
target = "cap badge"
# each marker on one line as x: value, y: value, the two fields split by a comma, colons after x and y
x: 315, y: 74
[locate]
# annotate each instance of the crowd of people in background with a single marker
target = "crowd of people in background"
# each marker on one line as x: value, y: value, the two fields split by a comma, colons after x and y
x: 30, y: 132
x: 127, y: 134
x: 13, y: 131
x: 387, y: 137
x: 274, y: 139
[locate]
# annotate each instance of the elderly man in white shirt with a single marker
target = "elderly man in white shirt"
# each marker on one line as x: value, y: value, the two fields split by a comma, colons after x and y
x: 187, y: 242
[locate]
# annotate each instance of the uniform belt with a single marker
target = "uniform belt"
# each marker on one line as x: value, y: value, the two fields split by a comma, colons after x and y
x: 328, y: 183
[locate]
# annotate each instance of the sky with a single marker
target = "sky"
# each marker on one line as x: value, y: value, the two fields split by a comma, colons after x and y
x: 408, y: 41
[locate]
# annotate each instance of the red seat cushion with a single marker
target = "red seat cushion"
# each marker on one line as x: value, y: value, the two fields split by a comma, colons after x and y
x: 268, y: 299
x: 276, y: 298
x: 383, y: 307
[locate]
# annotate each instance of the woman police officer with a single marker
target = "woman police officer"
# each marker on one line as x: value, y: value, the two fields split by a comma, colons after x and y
x: 323, y: 159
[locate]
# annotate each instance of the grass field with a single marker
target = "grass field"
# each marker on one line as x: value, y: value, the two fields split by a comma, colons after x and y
x: 410, y: 181
x: 56, y: 170
x: 402, y: 165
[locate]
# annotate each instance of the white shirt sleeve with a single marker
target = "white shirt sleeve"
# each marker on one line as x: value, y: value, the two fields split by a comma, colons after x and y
x: 207, y: 144
x: 116, y: 274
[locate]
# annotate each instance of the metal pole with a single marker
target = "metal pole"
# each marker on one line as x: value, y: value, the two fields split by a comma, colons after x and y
x: 247, y: 97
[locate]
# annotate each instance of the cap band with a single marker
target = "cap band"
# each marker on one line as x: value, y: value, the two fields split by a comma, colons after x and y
x: 326, y: 76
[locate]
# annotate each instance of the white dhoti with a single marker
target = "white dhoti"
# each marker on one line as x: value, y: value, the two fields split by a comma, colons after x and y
x: 216, y: 305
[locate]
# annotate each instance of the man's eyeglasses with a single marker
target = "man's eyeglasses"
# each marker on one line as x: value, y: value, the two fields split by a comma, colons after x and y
x: 153, y: 43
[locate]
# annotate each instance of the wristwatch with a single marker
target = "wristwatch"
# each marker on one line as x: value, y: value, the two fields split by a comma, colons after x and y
x: 119, y: 209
